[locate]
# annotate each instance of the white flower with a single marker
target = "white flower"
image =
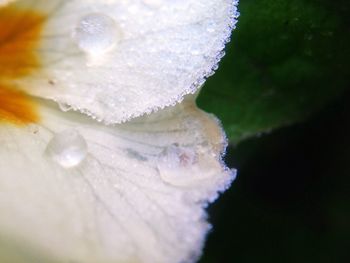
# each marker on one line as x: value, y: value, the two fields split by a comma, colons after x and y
x: 132, y: 187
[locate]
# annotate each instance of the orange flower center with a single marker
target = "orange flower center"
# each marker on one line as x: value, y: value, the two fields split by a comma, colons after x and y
x: 19, y: 36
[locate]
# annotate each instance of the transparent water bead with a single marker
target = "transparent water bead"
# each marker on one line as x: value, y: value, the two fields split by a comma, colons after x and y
x: 67, y: 148
x: 64, y: 107
x: 97, y: 33
x: 176, y: 164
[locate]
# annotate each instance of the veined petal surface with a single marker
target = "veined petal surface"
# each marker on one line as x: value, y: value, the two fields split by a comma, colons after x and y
x: 119, y: 59
x: 136, y: 193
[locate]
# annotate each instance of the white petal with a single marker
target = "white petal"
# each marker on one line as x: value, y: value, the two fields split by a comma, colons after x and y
x: 83, y: 192
x: 128, y: 57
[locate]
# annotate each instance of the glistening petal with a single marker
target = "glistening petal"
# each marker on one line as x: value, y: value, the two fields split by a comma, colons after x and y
x: 136, y: 192
x: 120, y: 59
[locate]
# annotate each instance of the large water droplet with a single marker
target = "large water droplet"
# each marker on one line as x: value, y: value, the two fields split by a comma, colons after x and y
x: 175, y: 156
x: 176, y: 164
x: 97, y: 33
x: 67, y: 148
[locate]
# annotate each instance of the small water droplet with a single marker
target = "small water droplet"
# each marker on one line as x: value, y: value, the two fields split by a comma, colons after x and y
x: 175, y: 163
x: 211, y: 27
x: 67, y: 148
x: 194, y: 50
x: 175, y: 156
x: 64, y: 106
x: 97, y: 33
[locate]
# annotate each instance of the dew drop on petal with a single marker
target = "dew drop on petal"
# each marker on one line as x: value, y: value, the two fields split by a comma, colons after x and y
x: 97, y: 33
x: 211, y: 27
x: 64, y: 106
x: 175, y: 163
x: 67, y: 148
x: 175, y: 156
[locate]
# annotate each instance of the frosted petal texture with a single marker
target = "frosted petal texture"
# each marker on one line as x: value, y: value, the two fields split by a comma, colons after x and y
x: 138, y: 196
x: 116, y: 60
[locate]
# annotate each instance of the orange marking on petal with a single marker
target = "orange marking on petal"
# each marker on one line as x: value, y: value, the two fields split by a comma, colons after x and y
x: 20, y: 32
x: 16, y: 107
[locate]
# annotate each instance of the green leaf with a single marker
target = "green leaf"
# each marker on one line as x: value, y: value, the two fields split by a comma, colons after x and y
x: 286, y: 60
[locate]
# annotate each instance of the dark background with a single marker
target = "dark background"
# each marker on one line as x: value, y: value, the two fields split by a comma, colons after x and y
x: 282, y: 92
x: 291, y: 199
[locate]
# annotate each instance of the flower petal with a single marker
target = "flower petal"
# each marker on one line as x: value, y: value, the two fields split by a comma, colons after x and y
x: 121, y: 59
x: 136, y: 192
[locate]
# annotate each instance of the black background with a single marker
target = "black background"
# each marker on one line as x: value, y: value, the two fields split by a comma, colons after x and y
x: 291, y: 199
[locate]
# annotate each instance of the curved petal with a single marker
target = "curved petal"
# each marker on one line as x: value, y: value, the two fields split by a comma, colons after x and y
x: 136, y: 192
x: 106, y: 51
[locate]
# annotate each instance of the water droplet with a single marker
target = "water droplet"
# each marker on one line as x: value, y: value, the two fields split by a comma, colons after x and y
x: 175, y: 164
x: 211, y: 27
x: 194, y: 50
x: 64, y: 106
x: 67, y: 148
x: 175, y: 156
x: 97, y: 33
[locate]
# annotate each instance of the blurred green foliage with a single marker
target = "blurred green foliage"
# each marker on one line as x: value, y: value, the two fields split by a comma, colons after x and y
x: 287, y: 59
